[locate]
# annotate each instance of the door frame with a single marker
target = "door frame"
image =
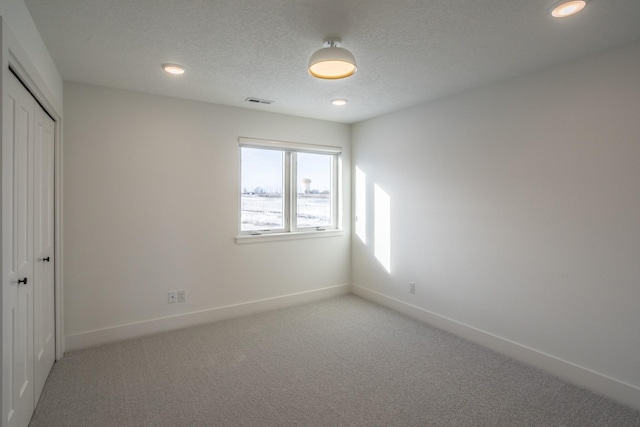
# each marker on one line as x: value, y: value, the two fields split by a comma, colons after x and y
x: 15, y: 60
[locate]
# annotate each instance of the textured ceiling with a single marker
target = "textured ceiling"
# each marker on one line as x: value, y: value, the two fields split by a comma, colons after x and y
x: 408, y: 51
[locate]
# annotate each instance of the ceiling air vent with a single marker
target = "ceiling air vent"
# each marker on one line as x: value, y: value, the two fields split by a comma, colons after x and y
x: 259, y: 101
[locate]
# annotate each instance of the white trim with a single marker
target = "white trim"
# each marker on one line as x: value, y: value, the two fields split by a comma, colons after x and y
x: 295, y: 235
x: 179, y: 321
x: 289, y: 146
x: 576, y: 374
x: 58, y: 238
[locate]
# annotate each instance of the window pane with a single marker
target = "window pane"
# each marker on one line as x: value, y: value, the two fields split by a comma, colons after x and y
x: 314, y: 198
x: 261, y: 201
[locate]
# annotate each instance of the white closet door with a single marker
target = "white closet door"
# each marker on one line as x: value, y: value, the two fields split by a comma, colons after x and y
x: 17, y: 253
x: 43, y: 283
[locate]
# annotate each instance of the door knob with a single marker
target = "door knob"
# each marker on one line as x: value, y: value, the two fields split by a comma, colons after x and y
x: 45, y: 259
x: 22, y: 281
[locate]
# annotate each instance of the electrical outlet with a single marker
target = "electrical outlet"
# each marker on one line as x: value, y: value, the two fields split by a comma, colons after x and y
x: 173, y: 296
x: 182, y: 295
x: 412, y: 287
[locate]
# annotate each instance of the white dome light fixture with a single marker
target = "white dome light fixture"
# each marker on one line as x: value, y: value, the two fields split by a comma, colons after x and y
x: 565, y: 8
x: 339, y: 102
x: 332, y: 61
x: 173, y: 68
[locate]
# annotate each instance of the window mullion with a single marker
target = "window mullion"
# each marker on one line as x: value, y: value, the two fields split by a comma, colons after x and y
x: 335, y: 191
x: 293, y: 166
x: 286, y: 178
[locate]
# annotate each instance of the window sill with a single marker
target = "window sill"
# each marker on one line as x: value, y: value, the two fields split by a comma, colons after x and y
x: 274, y: 237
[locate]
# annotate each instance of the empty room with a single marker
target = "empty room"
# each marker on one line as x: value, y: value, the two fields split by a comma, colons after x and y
x: 320, y: 213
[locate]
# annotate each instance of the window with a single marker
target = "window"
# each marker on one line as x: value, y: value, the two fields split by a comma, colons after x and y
x: 288, y: 187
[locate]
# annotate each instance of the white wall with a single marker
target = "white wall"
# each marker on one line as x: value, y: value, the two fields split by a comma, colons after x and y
x: 17, y: 17
x: 151, y: 205
x: 516, y: 210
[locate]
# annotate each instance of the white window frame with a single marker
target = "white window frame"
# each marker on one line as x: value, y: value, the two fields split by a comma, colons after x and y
x: 289, y: 191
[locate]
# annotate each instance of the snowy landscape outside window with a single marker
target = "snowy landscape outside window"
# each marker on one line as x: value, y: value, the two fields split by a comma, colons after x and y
x: 287, y: 187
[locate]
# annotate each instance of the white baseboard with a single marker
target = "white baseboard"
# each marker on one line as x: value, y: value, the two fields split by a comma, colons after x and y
x: 132, y: 330
x: 594, y: 381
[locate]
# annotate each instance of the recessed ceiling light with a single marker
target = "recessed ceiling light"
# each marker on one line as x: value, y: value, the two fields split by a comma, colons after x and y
x: 565, y: 8
x: 173, y: 68
x: 339, y: 101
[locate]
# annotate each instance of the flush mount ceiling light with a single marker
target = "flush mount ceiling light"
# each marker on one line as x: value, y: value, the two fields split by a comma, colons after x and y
x: 332, y: 61
x: 339, y: 101
x: 173, y: 68
x: 566, y: 8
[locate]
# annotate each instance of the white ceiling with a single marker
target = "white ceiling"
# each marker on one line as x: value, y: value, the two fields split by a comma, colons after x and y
x: 408, y: 51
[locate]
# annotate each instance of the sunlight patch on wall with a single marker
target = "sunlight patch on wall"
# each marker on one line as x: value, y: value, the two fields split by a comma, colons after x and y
x: 382, y: 227
x: 361, y: 205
